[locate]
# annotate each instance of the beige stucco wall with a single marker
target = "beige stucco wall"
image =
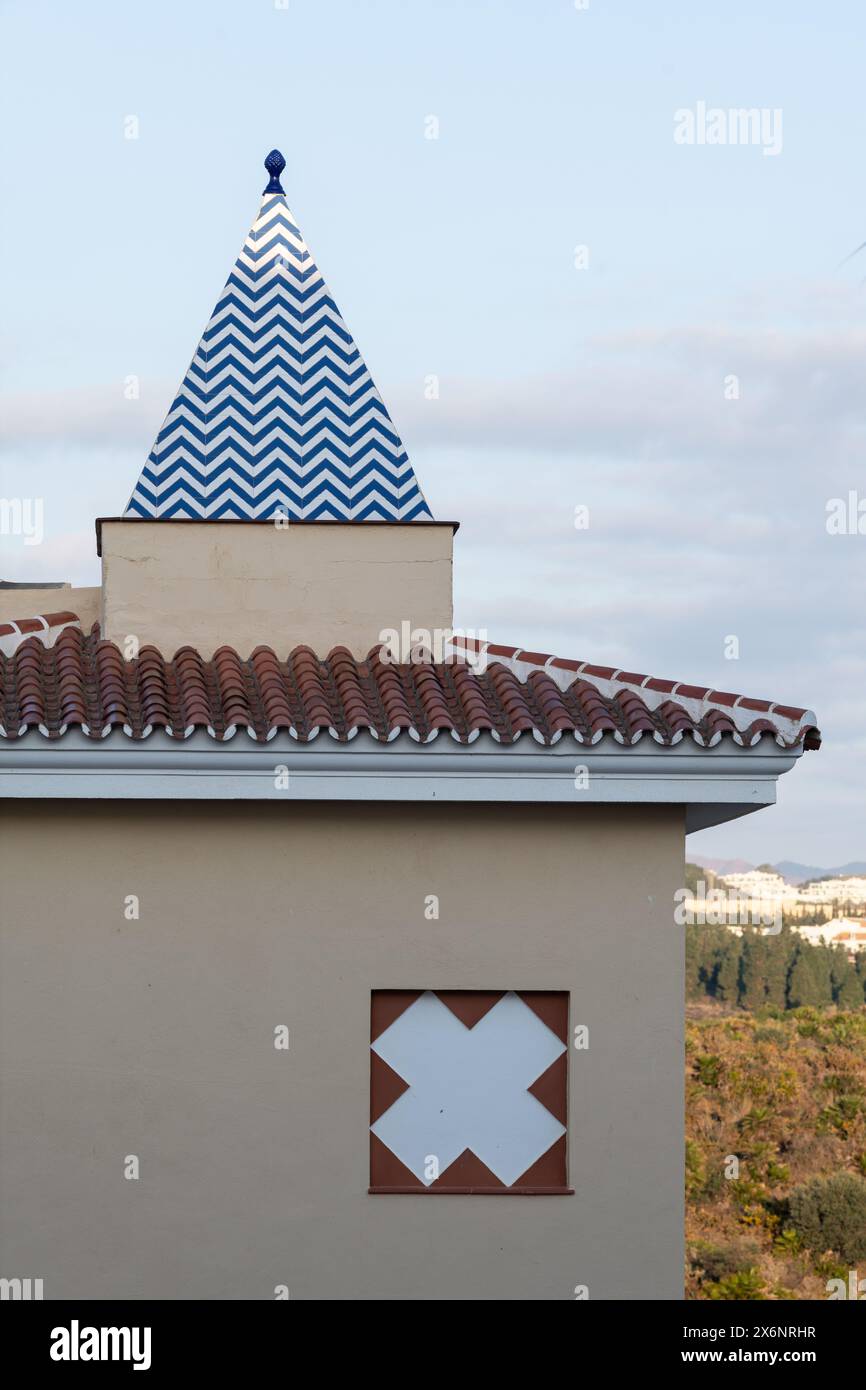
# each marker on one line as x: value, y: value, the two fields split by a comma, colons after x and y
x: 155, y: 1037
x: 245, y: 584
x: 31, y: 603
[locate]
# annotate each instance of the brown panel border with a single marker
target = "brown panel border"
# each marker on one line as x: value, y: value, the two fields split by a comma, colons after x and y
x: 469, y: 1005
x: 392, y: 1003
x: 389, y: 1177
x: 391, y: 1170
x: 549, y: 1169
x: 470, y: 1191
x: 550, y: 1089
x: 386, y: 1087
x: 551, y: 1006
x: 469, y: 1173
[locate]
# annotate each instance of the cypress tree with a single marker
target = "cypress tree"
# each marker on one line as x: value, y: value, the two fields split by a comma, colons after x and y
x: 809, y: 981
x: 727, y: 981
x: 780, y: 949
x: 824, y: 973
x: 754, y: 970
x: 694, y: 983
x: 801, y: 985
x: 839, y: 968
x: 850, y: 994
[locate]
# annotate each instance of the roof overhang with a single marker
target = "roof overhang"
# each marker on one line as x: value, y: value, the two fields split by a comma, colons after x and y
x: 713, y: 785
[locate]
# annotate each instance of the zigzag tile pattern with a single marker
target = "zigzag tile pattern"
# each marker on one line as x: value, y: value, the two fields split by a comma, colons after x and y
x: 85, y: 683
x: 278, y: 414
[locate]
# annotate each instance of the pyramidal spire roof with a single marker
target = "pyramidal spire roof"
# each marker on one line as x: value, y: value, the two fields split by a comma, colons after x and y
x: 277, y: 414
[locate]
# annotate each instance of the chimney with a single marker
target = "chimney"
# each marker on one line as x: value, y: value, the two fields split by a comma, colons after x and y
x: 278, y: 505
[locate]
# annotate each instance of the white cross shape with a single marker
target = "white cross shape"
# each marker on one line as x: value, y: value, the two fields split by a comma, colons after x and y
x: 468, y: 1087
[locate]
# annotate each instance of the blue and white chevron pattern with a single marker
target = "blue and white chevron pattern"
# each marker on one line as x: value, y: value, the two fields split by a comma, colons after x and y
x: 278, y: 414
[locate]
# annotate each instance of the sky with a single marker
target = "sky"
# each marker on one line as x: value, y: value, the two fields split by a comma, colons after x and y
x: 501, y: 195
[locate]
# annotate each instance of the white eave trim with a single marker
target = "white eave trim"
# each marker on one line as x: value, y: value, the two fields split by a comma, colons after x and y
x: 714, y: 784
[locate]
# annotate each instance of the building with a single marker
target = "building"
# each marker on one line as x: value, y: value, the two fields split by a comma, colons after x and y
x: 758, y: 896
x: 302, y: 923
x: 761, y: 885
x: 850, y: 892
x: 849, y: 932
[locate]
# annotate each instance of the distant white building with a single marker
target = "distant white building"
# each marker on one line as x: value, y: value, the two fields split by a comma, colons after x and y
x: 849, y: 932
x: 757, y: 883
x: 835, y: 890
x: 770, y: 889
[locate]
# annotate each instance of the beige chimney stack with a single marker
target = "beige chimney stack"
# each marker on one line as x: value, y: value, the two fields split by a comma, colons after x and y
x: 245, y: 584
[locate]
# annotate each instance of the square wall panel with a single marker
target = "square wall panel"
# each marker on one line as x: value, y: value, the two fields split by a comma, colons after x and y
x: 468, y: 1091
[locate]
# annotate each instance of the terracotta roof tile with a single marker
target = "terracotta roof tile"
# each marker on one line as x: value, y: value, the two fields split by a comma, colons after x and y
x: 84, y: 682
x: 15, y: 631
x: 708, y: 715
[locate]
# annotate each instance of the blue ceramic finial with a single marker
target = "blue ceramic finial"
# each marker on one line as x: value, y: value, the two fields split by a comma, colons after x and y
x: 275, y: 164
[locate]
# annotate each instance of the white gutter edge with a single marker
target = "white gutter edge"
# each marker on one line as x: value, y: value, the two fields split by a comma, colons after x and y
x: 714, y: 785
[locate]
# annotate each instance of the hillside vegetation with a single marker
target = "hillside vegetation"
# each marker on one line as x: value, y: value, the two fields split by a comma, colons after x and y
x: 781, y: 970
x: 775, y: 1150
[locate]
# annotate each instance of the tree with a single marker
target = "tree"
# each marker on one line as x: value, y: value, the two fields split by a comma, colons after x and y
x: 780, y: 949
x: 694, y: 875
x: 804, y: 984
x: 727, y: 979
x: 753, y: 970
x: 830, y: 1214
x: 839, y: 967
x: 850, y: 994
x: 695, y: 986
x: 780, y: 969
x: 823, y: 967
x: 847, y: 988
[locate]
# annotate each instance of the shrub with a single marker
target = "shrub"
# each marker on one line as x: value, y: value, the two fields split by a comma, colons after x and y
x: 714, y: 1184
x: 696, y: 1174
x: 747, y: 1191
x: 839, y: 1117
x: 777, y: 1172
x: 747, y: 1285
x: 831, y: 1269
x: 788, y: 1242
x: 843, y: 1084
x: 754, y: 1118
x: 830, y: 1214
x: 771, y: 1034
x: 719, y: 1262
x: 709, y: 1069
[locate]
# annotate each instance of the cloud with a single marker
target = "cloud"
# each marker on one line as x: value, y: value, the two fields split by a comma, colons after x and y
x: 659, y: 397
x: 95, y: 416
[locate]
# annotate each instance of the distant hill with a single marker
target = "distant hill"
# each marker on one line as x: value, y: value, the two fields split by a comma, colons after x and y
x: 800, y: 873
x: 789, y: 869
x: 722, y: 866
